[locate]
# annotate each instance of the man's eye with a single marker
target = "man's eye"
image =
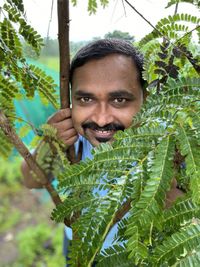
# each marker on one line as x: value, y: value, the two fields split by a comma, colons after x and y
x: 119, y: 100
x: 85, y: 99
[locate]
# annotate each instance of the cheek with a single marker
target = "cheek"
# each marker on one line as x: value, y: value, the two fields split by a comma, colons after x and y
x: 126, y: 117
x: 78, y: 117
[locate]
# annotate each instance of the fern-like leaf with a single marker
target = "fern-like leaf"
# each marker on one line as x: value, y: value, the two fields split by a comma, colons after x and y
x: 188, y: 147
x: 25, y: 30
x: 5, y: 146
x: 173, y: 2
x: 192, y: 259
x: 180, y: 213
x: 115, y: 256
x: 174, y: 246
x: 151, y: 202
x: 10, y: 37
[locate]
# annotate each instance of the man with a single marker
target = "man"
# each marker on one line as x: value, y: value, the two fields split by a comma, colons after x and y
x: 107, y: 91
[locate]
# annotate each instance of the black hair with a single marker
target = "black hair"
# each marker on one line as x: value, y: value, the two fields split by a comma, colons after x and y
x: 103, y: 47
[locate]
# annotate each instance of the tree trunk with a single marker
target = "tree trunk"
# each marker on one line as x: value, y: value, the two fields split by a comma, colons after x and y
x: 64, y: 52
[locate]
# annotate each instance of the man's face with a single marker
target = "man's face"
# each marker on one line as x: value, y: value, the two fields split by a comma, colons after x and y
x: 106, y: 94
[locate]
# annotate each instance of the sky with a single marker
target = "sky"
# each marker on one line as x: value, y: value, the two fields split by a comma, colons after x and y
x: 113, y: 17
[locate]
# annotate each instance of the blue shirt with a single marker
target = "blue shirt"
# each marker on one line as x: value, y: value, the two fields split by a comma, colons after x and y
x: 86, y: 153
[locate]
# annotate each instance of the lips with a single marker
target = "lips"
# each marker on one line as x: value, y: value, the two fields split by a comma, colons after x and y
x: 102, y: 133
x: 98, y: 134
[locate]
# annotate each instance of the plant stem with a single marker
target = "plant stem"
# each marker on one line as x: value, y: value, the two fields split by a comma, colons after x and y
x: 24, y: 152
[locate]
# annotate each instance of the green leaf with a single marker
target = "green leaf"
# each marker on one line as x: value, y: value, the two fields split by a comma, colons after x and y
x: 186, y: 240
x: 115, y: 256
x: 192, y: 259
x: 152, y: 199
x: 180, y: 213
x: 188, y: 147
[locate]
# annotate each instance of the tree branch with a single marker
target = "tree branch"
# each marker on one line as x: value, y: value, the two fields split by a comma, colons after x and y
x: 122, y: 211
x: 142, y: 17
x: 64, y: 51
x: 33, y: 165
x: 63, y: 39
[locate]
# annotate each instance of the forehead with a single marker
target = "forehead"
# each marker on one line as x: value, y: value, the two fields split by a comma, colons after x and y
x: 110, y: 72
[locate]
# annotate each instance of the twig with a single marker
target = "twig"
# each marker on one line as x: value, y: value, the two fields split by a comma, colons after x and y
x: 124, y: 8
x: 176, y: 8
x: 142, y: 17
x: 122, y: 211
x: 196, y: 67
x: 35, y: 130
x: 33, y: 165
x: 52, y: 3
x: 187, y: 33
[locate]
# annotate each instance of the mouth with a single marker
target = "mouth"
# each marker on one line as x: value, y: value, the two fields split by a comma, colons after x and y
x: 108, y: 134
x: 101, y: 134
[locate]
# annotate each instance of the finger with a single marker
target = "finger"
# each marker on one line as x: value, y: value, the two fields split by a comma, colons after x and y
x: 71, y: 140
x: 60, y: 116
x: 67, y: 134
x: 62, y: 126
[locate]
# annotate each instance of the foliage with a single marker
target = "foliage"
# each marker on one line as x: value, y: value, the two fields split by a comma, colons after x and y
x: 40, y: 244
x: 127, y: 181
x: 5, y: 222
x: 194, y: 2
x: 18, y: 79
x: 93, y: 4
x: 10, y: 175
x: 120, y: 35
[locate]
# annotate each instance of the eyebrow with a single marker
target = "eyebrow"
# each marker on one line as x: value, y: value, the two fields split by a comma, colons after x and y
x: 114, y: 94
x: 81, y: 93
x: 122, y: 94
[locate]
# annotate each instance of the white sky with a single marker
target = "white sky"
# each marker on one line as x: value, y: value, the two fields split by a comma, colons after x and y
x: 113, y: 17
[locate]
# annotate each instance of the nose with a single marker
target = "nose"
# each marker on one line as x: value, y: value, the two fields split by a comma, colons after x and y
x: 102, y: 115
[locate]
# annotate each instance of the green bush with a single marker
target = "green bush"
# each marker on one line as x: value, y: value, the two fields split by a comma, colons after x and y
x: 40, y: 245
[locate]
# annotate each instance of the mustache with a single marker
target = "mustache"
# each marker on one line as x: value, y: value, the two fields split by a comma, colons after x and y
x: 108, y: 127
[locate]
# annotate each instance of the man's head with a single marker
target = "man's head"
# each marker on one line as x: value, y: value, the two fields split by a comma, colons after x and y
x: 107, y: 88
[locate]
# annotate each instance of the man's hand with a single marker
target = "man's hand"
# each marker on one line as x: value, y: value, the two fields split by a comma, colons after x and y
x: 61, y: 120
x: 173, y: 194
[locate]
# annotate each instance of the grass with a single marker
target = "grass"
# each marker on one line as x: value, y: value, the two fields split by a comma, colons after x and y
x: 50, y: 62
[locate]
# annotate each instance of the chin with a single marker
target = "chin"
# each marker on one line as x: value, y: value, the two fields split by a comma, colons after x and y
x: 97, y: 141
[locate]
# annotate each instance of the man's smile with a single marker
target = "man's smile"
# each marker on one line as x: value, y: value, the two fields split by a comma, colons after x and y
x: 101, y: 134
x: 108, y: 134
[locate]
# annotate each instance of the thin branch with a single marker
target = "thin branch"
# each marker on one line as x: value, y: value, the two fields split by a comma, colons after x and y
x: 52, y: 4
x: 35, y: 130
x: 122, y: 211
x: 196, y: 67
x: 176, y: 8
x: 124, y: 8
x: 33, y: 165
x: 142, y: 17
x: 187, y: 33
